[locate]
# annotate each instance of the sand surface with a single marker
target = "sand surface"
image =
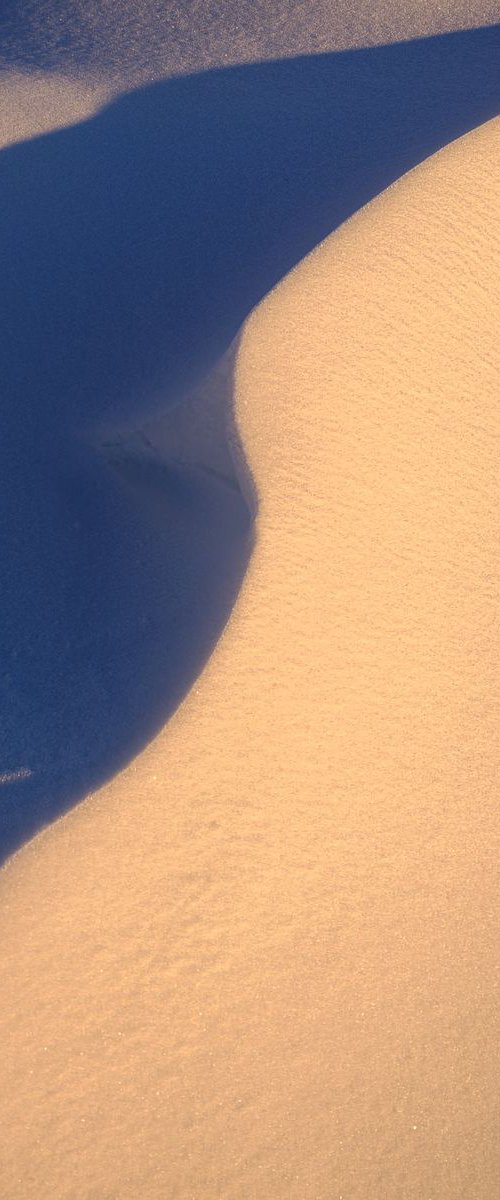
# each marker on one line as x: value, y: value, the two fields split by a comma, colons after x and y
x: 263, y: 961
x: 142, y: 39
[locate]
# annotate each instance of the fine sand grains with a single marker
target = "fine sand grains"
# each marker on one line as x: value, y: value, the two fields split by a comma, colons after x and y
x: 263, y: 961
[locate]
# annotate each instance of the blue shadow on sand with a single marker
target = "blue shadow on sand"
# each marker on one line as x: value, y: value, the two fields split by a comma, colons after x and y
x: 133, y: 246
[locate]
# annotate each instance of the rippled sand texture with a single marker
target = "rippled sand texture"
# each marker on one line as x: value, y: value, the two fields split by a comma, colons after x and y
x: 144, y: 39
x: 263, y: 961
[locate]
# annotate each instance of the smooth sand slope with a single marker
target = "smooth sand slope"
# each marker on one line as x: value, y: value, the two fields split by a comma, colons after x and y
x: 263, y: 962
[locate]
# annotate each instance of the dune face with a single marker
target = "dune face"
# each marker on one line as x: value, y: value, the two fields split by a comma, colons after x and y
x: 133, y: 246
x: 263, y: 960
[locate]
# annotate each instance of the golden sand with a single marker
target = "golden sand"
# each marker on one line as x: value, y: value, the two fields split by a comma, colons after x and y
x: 263, y: 961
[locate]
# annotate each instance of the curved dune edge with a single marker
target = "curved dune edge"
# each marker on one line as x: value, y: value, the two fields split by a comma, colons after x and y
x: 264, y: 960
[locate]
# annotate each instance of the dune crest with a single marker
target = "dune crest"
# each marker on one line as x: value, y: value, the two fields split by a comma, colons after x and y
x: 263, y: 961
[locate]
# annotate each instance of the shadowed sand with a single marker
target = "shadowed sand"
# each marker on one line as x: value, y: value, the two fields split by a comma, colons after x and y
x: 262, y: 962
x: 126, y: 40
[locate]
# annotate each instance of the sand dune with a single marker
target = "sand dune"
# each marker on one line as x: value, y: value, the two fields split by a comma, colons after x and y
x: 133, y: 246
x: 263, y: 961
